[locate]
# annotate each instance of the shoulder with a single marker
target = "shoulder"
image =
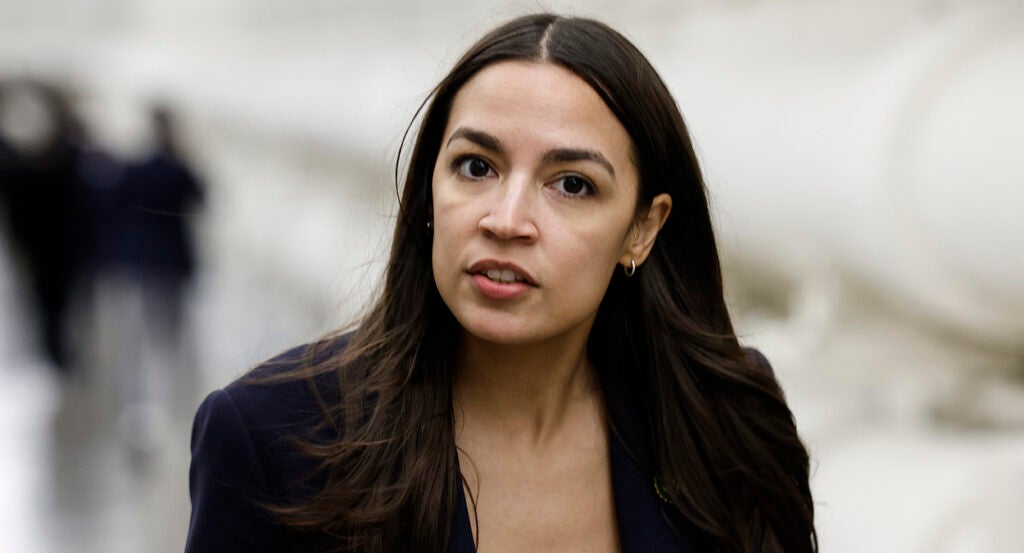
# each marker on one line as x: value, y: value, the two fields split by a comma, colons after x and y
x: 275, y: 395
x: 243, y: 452
x: 275, y: 403
x: 758, y: 360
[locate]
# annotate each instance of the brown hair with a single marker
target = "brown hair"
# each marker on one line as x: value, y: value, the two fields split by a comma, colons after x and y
x: 682, y: 397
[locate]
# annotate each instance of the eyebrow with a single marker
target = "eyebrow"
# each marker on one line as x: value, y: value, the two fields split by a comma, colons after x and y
x: 479, y: 137
x: 557, y: 155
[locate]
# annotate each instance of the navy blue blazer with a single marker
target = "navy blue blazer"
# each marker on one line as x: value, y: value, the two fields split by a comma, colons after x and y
x: 241, y: 456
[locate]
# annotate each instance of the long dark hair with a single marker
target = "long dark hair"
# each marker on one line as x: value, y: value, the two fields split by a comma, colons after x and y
x: 682, y: 396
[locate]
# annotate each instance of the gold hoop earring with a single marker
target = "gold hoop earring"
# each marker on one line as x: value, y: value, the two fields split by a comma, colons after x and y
x: 631, y: 270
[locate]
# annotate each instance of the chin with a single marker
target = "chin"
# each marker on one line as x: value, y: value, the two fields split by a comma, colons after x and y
x: 513, y: 331
x: 500, y: 328
x: 503, y: 334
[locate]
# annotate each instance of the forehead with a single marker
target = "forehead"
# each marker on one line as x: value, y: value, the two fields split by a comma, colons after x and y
x: 546, y: 103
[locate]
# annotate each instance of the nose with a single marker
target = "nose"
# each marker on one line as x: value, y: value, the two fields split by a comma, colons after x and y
x: 511, y: 216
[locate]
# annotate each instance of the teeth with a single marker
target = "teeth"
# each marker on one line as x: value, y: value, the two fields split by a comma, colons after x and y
x: 503, y: 276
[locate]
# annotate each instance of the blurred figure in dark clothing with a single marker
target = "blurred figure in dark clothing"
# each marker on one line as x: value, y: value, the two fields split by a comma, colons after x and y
x: 39, y: 178
x: 161, y: 194
x: 101, y: 211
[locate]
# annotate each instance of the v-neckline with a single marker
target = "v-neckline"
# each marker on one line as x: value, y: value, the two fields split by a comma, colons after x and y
x: 641, y: 515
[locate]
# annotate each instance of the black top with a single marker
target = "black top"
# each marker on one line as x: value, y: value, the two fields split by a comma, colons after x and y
x: 160, y: 194
x: 241, y: 456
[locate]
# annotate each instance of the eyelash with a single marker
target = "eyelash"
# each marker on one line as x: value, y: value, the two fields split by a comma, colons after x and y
x: 587, y: 185
x: 458, y: 162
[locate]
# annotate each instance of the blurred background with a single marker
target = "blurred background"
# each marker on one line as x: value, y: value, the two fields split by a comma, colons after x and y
x: 189, y: 187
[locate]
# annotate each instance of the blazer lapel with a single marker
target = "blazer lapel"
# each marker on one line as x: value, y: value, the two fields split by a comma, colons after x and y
x: 642, y: 516
x: 461, y: 540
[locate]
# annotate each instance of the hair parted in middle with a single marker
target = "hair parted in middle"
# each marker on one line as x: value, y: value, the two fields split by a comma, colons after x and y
x: 683, y: 398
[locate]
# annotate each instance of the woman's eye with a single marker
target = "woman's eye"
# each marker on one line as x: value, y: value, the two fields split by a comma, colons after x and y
x: 574, y: 186
x: 473, y: 167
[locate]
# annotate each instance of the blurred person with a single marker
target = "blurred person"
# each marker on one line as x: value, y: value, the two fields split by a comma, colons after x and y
x: 41, y: 136
x: 161, y: 195
x: 550, y: 365
x: 157, y: 199
x: 101, y: 210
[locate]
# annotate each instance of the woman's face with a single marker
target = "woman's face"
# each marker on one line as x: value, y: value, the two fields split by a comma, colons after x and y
x: 534, y: 196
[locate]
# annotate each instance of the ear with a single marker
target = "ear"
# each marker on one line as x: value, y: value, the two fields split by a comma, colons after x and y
x: 645, y: 231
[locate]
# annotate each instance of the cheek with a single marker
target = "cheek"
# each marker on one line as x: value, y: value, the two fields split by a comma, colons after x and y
x: 443, y: 212
x: 588, y: 262
x: 603, y: 245
x: 449, y: 235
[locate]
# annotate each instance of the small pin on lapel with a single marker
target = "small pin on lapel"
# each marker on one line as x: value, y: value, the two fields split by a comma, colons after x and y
x: 659, y: 488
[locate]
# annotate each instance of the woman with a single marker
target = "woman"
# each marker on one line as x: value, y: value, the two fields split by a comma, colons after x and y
x: 550, y: 365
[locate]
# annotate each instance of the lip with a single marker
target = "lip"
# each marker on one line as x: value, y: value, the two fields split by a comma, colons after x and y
x: 484, y: 265
x: 499, y: 290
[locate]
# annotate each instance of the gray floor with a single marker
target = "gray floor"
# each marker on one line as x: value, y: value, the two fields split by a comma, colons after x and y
x: 70, y: 480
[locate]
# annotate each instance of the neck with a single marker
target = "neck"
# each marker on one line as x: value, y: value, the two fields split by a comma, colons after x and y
x: 525, y: 391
